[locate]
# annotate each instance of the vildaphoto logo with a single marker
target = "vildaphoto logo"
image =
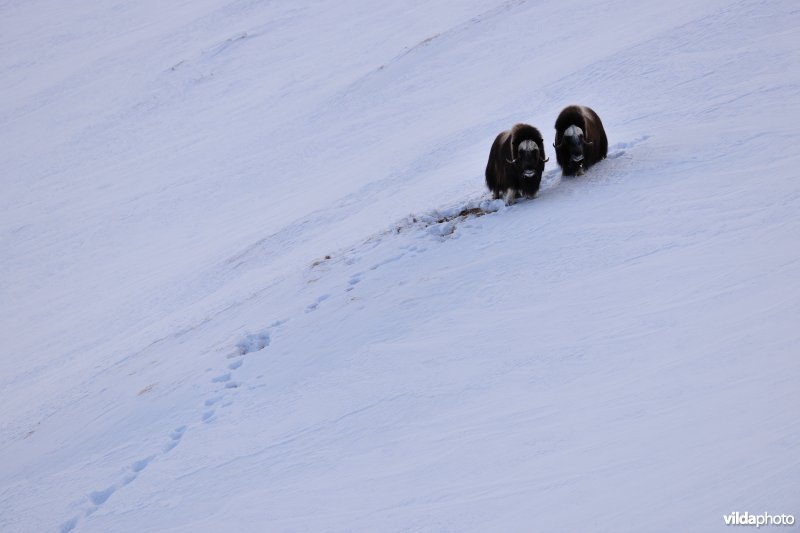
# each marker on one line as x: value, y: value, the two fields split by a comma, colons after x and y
x: 758, y: 520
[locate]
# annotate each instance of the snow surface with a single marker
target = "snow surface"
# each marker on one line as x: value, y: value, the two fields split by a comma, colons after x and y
x: 251, y: 279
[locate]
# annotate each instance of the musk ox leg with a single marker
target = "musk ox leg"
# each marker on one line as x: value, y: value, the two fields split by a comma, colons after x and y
x: 510, y: 196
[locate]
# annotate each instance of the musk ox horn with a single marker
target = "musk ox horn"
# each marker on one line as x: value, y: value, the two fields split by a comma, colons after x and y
x: 559, y: 145
x: 511, y: 149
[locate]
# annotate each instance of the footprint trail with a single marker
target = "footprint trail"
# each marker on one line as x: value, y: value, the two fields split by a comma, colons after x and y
x: 95, y: 499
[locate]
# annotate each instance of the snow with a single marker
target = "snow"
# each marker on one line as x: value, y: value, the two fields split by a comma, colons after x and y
x: 251, y: 278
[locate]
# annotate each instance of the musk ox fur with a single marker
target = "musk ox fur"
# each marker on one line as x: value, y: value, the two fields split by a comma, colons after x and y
x: 580, y: 140
x: 516, y: 163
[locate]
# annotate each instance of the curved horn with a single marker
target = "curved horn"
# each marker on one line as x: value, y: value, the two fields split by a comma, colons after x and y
x: 587, y: 142
x: 560, y: 143
x: 544, y: 160
x: 511, y: 149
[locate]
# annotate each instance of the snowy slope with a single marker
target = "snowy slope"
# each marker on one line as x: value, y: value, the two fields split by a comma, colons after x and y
x: 236, y: 295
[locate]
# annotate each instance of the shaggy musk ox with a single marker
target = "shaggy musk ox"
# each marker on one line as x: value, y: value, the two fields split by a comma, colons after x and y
x: 516, y: 162
x: 580, y: 140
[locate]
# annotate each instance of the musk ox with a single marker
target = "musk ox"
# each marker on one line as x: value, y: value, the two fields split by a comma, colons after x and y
x: 516, y: 162
x: 580, y: 140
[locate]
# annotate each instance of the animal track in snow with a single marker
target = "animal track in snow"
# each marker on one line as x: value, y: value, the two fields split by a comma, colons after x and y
x: 629, y: 144
x: 391, y: 259
x: 141, y: 464
x: 253, y: 343
x: 456, y: 214
x: 320, y: 299
x: 99, y: 497
x: 443, y: 221
x: 175, y: 437
x: 440, y: 223
x: 221, y: 378
x: 250, y: 343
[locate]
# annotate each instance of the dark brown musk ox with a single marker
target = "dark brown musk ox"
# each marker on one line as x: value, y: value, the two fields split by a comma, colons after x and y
x: 516, y: 163
x: 580, y: 140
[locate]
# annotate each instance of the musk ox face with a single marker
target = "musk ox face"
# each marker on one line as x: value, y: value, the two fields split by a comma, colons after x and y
x: 528, y: 159
x: 573, y: 142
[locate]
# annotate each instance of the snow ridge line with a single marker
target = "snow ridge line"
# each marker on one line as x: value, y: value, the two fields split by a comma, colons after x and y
x: 454, y: 30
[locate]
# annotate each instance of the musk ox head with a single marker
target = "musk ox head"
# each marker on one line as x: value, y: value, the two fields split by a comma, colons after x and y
x: 573, y: 141
x: 528, y: 158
